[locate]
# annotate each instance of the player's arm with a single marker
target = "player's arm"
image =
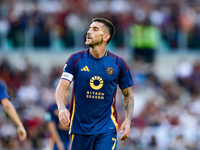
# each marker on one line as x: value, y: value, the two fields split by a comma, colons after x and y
x: 128, y: 107
x: 61, y: 96
x: 52, y: 128
x: 14, y: 116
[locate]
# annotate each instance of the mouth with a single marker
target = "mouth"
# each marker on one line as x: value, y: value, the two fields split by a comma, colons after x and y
x: 88, y: 37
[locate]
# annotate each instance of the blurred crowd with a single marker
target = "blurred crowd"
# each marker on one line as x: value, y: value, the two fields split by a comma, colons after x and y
x: 31, y: 91
x: 54, y: 24
x: 166, y: 114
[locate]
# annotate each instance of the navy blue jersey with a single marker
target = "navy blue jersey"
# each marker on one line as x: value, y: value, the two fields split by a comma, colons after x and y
x: 3, y: 93
x: 52, y: 115
x: 95, y: 83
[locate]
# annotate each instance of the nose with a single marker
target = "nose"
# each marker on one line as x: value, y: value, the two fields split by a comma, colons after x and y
x: 88, y: 31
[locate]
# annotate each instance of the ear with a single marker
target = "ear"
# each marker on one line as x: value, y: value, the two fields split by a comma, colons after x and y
x: 106, y: 37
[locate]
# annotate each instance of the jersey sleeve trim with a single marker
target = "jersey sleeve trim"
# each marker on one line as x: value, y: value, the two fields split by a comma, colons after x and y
x: 120, y: 59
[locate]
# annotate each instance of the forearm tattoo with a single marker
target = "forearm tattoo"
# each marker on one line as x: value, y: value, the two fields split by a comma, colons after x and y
x: 128, y: 102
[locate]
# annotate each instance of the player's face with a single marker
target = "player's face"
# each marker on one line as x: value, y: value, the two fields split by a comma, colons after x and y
x: 95, y: 34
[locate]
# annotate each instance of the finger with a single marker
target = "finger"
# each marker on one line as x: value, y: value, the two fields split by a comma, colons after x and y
x: 67, y: 116
x: 61, y: 119
x: 64, y: 119
x: 22, y: 137
x: 125, y: 135
x: 122, y: 128
x: 22, y: 134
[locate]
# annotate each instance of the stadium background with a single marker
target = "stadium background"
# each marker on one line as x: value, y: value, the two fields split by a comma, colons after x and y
x: 37, y: 36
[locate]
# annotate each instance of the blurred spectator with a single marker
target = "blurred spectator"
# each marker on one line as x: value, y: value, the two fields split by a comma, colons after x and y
x: 7, y: 130
x: 145, y: 40
x: 162, y: 110
x: 60, y: 138
x: 59, y: 135
x: 184, y: 71
x: 178, y: 143
x: 56, y: 23
x: 28, y: 93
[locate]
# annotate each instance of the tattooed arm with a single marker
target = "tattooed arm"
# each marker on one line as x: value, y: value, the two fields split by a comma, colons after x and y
x: 128, y: 106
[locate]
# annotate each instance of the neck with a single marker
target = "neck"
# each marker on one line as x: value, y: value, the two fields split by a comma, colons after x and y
x: 98, y: 52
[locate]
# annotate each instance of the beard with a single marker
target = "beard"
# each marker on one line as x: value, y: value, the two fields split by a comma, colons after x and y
x: 88, y: 44
x: 92, y: 43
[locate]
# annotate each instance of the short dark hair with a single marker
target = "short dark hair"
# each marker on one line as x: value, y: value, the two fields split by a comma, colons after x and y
x: 108, y: 24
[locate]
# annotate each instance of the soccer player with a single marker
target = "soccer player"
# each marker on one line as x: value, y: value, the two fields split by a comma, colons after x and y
x: 60, y: 137
x: 95, y: 73
x: 4, y: 99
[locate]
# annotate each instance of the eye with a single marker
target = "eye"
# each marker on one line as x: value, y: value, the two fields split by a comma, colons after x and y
x: 95, y: 29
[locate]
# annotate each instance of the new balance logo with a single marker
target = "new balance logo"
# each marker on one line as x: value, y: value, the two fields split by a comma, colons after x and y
x: 85, y: 69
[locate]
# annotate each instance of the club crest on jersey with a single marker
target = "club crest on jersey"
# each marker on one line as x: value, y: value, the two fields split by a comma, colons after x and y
x: 110, y: 70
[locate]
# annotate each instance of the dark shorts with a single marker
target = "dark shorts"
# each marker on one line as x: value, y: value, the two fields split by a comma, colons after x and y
x: 66, y: 145
x: 105, y: 141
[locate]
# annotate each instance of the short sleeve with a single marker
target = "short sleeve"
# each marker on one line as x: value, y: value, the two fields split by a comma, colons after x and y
x: 125, y: 78
x: 3, y: 93
x: 68, y: 70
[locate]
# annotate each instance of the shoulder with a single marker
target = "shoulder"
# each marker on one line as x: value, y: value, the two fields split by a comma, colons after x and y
x: 77, y: 55
x: 3, y: 92
x: 81, y: 53
x: 114, y: 56
x: 119, y: 60
x: 1, y: 86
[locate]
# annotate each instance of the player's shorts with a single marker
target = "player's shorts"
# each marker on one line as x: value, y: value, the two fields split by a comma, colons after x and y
x: 65, y: 143
x: 105, y: 141
x: 65, y: 146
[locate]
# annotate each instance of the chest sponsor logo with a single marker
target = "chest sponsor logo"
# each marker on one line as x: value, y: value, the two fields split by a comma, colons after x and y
x: 110, y: 70
x: 96, y: 82
x: 95, y: 95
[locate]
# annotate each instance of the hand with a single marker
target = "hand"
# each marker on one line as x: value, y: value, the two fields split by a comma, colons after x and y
x: 21, y: 133
x: 125, y: 126
x: 64, y: 116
